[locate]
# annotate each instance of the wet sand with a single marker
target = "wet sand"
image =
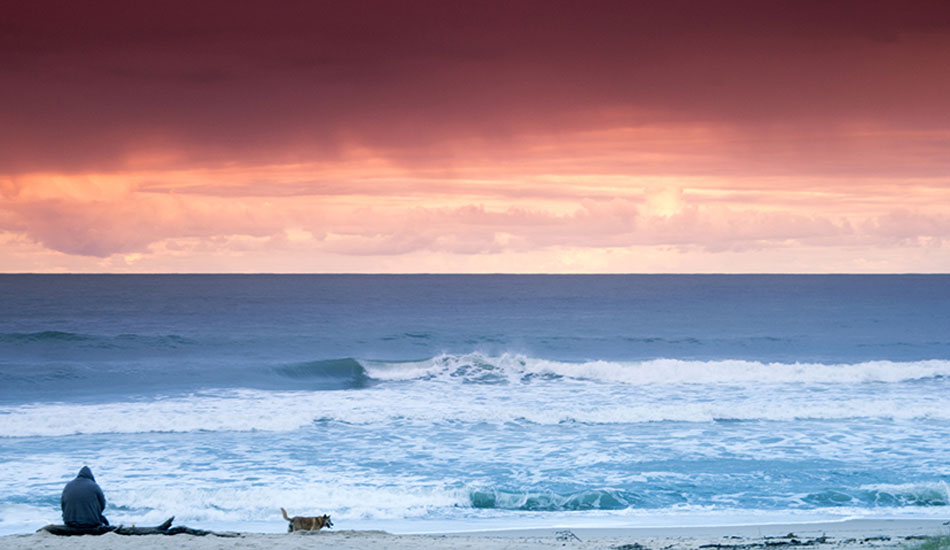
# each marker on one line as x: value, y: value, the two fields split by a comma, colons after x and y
x: 847, y: 535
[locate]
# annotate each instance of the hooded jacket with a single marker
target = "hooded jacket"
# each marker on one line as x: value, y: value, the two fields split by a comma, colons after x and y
x: 83, y: 502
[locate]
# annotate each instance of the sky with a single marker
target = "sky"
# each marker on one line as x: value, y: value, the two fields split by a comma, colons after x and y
x: 475, y: 136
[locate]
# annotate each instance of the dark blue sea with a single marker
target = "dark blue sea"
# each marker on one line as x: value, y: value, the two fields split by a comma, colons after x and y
x: 418, y: 403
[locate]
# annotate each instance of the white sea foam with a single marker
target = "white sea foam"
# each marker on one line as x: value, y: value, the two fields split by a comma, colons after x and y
x: 517, y: 368
x: 345, y: 501
x: 248, y: 410
x: 209, y: 506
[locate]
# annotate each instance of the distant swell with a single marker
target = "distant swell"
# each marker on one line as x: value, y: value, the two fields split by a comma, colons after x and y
x: 74, y: 341
x: 69, y: 377
x: 43, y: 336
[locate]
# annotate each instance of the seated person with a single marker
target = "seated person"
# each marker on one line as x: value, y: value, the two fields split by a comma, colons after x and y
x: 83, y: 502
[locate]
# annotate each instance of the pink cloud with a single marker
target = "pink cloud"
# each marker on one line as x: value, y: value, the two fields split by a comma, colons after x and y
x: 909, y: 228
x: 104, y: 228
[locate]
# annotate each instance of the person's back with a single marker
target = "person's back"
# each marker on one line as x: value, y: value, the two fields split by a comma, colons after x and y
x: 83, y: 502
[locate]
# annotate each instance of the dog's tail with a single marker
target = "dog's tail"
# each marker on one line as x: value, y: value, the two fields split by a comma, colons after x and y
x: 284, y: 512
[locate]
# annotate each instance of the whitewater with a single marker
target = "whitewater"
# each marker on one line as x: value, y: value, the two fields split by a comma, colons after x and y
x: 433, y: 403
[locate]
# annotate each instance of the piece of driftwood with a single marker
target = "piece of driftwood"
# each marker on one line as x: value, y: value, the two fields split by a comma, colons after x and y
x: 66, y: 531
x: 164, y: 529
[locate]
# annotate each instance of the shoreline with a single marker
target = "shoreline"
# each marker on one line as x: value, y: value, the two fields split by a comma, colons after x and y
x: 853, y: 534
x: 840, y: 528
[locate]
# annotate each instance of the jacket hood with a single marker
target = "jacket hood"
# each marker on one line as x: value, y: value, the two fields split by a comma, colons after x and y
x: 86, y: 473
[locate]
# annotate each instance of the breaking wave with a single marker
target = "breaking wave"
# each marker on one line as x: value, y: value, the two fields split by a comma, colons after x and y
x: 24, y: 381
x: 508, y: 369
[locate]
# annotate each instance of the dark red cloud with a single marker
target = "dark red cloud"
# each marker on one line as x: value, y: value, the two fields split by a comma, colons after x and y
x: 92, y: 85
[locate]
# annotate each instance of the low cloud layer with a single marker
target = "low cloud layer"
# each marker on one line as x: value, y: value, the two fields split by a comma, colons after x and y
x: 147, y: 223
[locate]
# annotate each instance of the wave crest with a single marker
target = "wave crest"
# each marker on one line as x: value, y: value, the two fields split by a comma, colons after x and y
x: 332, y: 373
x: 476, y: 368
x: 549, y: 501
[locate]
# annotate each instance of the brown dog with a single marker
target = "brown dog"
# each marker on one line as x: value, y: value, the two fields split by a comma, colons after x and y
x: 304, y: 523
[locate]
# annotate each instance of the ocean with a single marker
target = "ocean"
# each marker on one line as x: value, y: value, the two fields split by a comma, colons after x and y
x: 435, y: 403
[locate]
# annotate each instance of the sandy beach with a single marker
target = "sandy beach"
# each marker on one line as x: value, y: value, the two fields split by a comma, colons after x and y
x: 847, y: 535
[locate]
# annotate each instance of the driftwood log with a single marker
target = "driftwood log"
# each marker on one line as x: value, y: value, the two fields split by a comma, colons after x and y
x: 164, y: 529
